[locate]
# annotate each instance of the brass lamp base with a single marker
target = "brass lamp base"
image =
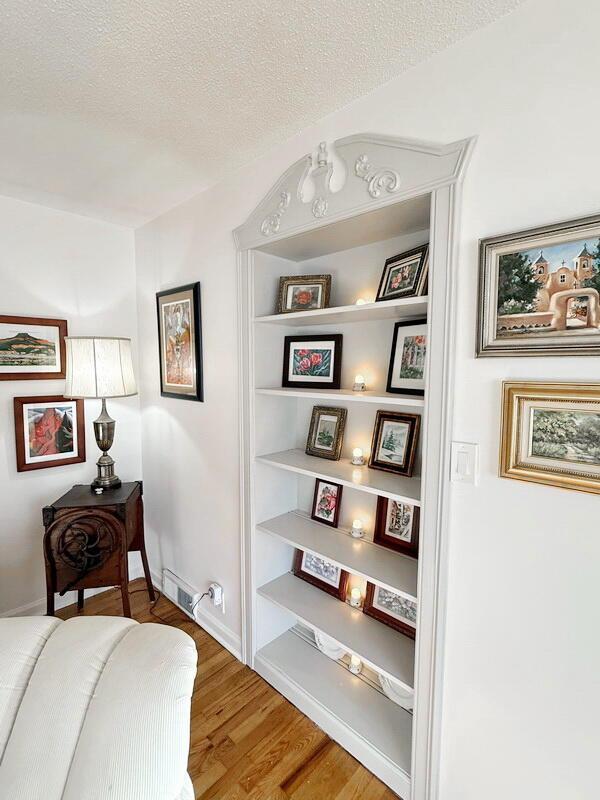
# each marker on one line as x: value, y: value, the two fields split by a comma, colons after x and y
x: 104, y: 430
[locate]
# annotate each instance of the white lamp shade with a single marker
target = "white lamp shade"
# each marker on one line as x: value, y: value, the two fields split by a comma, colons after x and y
x: 99, y: 366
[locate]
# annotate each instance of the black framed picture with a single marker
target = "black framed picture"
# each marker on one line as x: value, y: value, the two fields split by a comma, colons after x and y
x: 406, y: 374
x: 395, y: 440
x: 312, y: 362
x: 405, y: 275
x: 180, y: 342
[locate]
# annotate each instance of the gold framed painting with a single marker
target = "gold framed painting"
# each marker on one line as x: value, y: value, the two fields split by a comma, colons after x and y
x: 551, y: 434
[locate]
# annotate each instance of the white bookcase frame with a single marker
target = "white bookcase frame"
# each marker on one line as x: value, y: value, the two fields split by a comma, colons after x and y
x: 387, y: 178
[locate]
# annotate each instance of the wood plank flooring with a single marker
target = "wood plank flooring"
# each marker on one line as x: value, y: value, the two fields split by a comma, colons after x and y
x: 247, y: 741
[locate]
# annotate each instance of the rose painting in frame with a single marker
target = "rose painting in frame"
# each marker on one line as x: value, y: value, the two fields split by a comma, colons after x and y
x: 327, y: 502
x: 180, y: 342
x: 312, y: 362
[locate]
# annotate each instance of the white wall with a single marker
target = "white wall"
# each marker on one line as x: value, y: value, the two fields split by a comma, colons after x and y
x: 522, y: 686
x: 54, y: 264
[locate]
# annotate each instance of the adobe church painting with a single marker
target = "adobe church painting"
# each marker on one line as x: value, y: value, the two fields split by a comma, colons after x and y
x: 540, y: 291
x: 553, y: 289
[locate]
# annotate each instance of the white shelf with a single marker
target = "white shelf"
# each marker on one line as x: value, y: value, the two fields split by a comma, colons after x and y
x: 405, y: 308
x: 344, y: 395
x: 377, y: 564
x: 374, y: 729
x: 386, y: 484
x: 378, y: 645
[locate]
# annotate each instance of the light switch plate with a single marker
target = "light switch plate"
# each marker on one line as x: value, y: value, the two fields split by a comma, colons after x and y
x: 464, y: 463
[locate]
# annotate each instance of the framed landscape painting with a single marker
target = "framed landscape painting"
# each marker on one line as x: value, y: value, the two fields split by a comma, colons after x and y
x: 397, y: 526
x: 392, y: 609
x: 321, y: 573
x: 180, y: 342
x: 303, y: 293
x: 551, y: 434
x: 395, y: 440
x: 32, y: 348
x: 406, y: 373
x: 326, y: 432
x: 327, y: 502
x: 539, y: 291
x: 312, y: 362
x: 49, y: 432
x: 404, y: 275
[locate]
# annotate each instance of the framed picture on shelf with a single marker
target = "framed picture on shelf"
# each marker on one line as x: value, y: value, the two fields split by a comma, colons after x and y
x: 321, y: 573
x: 405, y: 275
x: 312, y: 362
x: 397, y: 526
x: 392, y: 609
x: 395, y: 440
x: 406, y: 374
x: 303, y: 293
x: 32, y: 348
x: 327, y: 502
x: 326, y: 432
x: 49, y: 432
x: 539, y: 291
x: 180, y: 342
x: 551, y: 434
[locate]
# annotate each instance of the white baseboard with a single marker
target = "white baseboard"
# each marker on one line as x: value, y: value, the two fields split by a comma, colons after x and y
x: 224, y: 635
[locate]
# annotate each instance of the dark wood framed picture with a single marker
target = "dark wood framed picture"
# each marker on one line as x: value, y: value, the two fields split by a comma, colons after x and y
x: 406, y: 374
x: 32, y: 348
x: 327, y: 502
x: 397, y: 526
x: 326, y: 432
x: 405, y: 275
x: 303, y: 293
x: 395, y: 610
x: 312, y: 362
x: 180, y: 342
x: 395, y: 440
x: 49, y: 432
x: 321, y: 573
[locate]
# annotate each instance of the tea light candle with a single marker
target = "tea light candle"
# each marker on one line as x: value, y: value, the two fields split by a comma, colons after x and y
x: 355, y: 665
x: 359, y: 384
x: 357, y: 528
x: 355, y: 597
x: 361, y: 301
x: 357, y: 457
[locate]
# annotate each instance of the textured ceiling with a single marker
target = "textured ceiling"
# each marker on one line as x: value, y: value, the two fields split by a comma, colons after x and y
x: 121, y: 109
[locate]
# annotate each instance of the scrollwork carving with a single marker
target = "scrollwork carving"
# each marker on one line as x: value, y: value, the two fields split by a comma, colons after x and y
x: 319, y: 207
x: 271, y: 223
x: 378, y: 179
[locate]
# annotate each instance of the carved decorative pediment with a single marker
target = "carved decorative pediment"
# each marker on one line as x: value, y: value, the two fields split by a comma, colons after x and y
x: 379, y: 170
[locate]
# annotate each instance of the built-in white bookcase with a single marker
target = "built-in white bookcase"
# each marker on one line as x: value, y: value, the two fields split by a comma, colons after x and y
x: 396, y: 195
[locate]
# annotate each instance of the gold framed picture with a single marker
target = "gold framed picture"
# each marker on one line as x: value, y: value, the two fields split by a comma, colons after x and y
x: 326, y: 432
x: 303, y: 293
x: 551, y: 434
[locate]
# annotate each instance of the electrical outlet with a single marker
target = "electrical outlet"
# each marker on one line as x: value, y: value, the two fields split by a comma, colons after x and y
x: 217, y: 595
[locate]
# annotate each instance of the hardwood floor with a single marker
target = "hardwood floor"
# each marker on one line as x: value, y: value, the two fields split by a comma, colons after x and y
x: 247, y: 741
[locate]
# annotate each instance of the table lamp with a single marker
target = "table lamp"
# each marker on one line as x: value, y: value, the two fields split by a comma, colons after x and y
x: 99, y: 367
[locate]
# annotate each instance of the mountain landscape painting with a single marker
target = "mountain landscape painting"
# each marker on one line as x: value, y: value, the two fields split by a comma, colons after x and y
x: 28, y: 349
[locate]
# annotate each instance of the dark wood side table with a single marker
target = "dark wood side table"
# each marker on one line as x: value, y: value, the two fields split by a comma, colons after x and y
x: 87, y: 538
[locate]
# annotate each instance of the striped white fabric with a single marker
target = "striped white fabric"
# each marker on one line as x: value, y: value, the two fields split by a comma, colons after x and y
x: 105, y: 713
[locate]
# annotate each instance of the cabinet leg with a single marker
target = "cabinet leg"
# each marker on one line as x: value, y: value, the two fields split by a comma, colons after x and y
x: 49, y: 602
x: 146, y: 566
x: 80, y: 599
x: 125, y: 598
